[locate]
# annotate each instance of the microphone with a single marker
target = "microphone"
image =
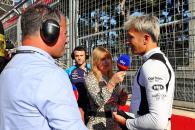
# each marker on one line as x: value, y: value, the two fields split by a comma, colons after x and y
x: 123, y: 62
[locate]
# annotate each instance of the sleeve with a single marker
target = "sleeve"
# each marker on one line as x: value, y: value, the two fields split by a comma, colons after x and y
x: 98, y: 92
x: 69, y: 70
x: 56, y: 102
x: 154, y: 77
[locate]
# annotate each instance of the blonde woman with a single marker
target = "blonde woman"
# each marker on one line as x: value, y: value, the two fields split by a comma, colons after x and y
x: 104, y: 92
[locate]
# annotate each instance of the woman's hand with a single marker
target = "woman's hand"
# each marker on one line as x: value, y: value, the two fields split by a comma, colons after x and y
x: 118, y: 77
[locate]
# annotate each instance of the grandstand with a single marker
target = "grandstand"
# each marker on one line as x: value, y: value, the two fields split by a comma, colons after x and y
x: 100, y: 23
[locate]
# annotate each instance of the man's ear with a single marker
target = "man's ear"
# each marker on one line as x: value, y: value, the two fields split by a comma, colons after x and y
x: 146, y: 38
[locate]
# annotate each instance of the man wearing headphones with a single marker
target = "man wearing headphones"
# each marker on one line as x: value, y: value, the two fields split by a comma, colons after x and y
x: 77, y: 73
x: 40, y: 97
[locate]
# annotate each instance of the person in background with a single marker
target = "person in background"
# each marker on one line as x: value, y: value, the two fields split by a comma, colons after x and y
x: 154, y: 83
x: 10, y: 50
x: 105, y: 93
x: 36, y: 94
x: 76, y: 74
x: 2, y: 48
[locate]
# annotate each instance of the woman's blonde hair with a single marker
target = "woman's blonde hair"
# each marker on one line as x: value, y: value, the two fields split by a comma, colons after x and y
x: 97, y: 54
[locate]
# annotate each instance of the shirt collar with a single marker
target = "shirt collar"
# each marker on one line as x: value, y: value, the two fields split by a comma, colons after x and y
x: 36, y: 50
x: 151, y: 52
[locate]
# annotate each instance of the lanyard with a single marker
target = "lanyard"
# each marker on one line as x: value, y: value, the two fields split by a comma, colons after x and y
x: 32, y: 52
x: 28, y: 51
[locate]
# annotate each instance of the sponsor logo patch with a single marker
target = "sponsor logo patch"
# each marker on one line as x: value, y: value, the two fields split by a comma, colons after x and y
x: 158, y: 87
x: 159, y: 96
x: 156, y: 79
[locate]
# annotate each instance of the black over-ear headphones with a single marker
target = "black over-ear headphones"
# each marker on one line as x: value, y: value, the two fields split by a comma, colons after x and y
x: 50, y: 31
x: 79, y: 48
x: 50, y: 28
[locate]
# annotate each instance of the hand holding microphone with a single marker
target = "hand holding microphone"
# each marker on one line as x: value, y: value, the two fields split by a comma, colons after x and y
x: 123, y: 63
x: 118, y: 77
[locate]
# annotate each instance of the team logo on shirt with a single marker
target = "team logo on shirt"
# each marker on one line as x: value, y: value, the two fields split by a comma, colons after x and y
x: 159, y: 96
x: 158, y: 87
x: 156, y: 79
x: 76, y: 75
